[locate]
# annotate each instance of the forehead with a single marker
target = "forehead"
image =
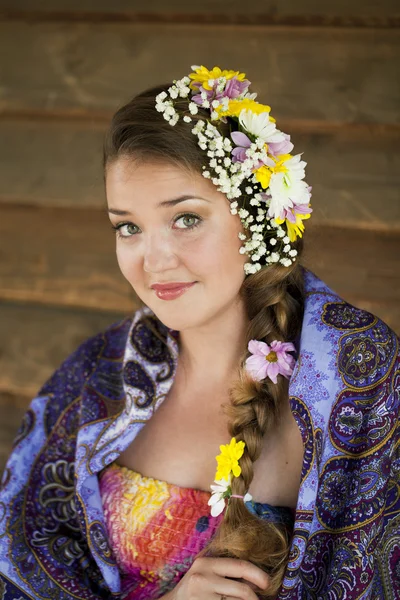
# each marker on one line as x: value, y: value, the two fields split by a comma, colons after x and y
x: 132, y: 180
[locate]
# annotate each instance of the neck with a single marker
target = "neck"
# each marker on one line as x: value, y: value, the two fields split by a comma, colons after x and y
x: 212, y: 352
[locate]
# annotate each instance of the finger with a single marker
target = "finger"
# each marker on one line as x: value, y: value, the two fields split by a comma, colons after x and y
x: 238, y: 569
x: 230, y: 589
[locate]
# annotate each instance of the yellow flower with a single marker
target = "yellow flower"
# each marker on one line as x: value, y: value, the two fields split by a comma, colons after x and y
x: 280, y: 160
x: 228, y: 459
x: 263, y: 174
x: 295, y: 229
x: 235, y: 107
x: 202, y: 75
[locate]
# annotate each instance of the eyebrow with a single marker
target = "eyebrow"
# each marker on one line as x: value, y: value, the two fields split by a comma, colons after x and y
x: 172, y: 202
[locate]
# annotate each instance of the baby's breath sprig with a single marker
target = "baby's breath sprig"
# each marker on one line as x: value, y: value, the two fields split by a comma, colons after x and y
x: 253, y: 167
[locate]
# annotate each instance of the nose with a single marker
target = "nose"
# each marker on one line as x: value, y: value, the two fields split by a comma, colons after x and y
x: 159, y: 254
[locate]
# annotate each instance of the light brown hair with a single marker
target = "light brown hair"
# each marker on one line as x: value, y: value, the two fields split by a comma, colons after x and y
x: 274, y: 300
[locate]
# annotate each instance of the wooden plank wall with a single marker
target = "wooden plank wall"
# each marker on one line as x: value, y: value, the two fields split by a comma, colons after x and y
x: 330, y: 73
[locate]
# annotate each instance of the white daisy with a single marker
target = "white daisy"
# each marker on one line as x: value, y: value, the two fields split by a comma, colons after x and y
x: 260, y: 126
x: 217, y: 501
x: 288, y: 189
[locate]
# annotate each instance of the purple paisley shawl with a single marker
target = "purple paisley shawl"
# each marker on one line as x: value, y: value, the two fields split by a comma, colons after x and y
x: 344, y: 395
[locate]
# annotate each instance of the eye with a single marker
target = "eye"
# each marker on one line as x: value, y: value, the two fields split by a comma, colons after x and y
x: 190, y: 221
x: 124, y: 230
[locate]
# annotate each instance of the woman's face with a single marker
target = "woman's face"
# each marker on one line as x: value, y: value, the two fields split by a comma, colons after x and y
x: 175, y: 227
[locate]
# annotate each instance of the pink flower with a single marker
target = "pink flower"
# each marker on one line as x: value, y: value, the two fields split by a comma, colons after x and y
x: 233, y: 88
x: 276, y: 148
x: 242, y: 144
x: 270, y: 361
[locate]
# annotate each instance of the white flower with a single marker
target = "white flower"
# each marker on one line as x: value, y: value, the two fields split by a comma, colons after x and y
x: 161, y: 97
x: 260, y: 126
x: 170, y: 110
x: 174, y: 120
x: 217, y: 501
x: 286, y: 262
x: 288, y: 189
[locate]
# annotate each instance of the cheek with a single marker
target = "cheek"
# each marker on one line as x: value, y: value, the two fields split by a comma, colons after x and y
x: 217, y: 255
x: 128, y: 263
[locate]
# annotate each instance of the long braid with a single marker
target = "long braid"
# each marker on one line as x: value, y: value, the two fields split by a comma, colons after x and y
x: 274, y: 300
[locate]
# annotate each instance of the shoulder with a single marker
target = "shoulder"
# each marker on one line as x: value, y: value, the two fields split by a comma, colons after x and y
x: 354, y: 441
x: 367, y: 347
x: 83, y: 361
x: 348, y: 374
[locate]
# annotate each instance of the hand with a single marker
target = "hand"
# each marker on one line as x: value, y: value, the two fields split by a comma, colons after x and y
x: 210, y: 578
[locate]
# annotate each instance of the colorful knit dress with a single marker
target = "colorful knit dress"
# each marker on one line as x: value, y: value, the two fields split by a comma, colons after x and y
x: 157, y: 528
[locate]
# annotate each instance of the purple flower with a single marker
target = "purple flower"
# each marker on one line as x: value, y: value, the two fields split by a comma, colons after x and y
x: 285, y: 147
x: 239, y: 153
x: 270, y: 361
x: 199, y: 100
x: 290, y: 213
x: 242, y: 142
x: 233, y: 89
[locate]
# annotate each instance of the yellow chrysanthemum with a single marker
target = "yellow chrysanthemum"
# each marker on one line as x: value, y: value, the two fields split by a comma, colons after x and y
x: 235, y: 107
x: 228, y: 459
x: 279, y: 163
x: 203, y: 75
x: 295, y: 229
x: 263, y: 174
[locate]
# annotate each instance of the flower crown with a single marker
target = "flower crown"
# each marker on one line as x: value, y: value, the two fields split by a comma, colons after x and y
x: 253, y: 165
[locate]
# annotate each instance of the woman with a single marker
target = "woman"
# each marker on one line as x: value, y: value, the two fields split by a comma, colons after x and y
x: 237, y: 354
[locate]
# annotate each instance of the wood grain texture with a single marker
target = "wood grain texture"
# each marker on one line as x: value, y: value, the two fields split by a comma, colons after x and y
x: 34, y: 340
x: 340, y: 75
x: 340, y: 12
x: 62, y: 257
x: 12, y: 409
x: 355, y: 176
x: 66, y: 257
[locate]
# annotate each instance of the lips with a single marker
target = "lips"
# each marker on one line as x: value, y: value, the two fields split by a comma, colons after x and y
x: 172, y: 290
x: 160, y: 287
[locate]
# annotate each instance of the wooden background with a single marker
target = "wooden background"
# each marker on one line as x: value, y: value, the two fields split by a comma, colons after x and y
x: 328, y: 69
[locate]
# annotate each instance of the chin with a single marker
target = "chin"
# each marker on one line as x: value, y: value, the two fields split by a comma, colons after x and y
x: 178, y: 320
